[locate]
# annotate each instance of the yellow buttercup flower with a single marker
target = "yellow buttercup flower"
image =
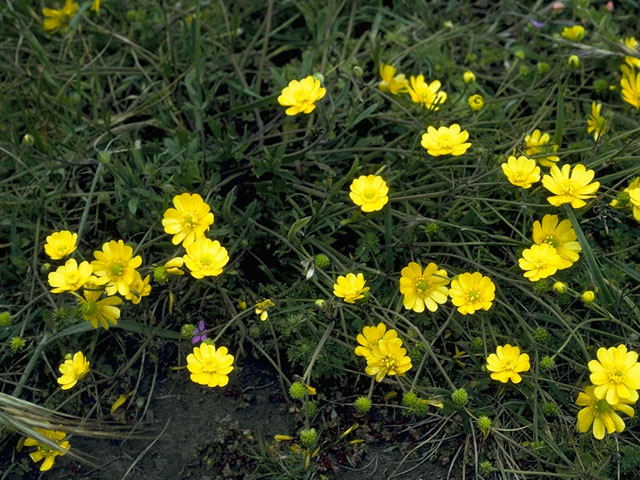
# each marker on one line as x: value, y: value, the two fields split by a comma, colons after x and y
x: 59, y: 19
x: 539, y: 261
x: 507, y: 363
x: 73, y: 369
x: 600, y: 413
x: 561, y: 236
x: 45, y: 451
x: 205, y: 258
x: 572, y: 187
x: 138, y: 288
x: 115, y: 267
x: 476, y: 102
x: 445, y: 141
x: 210, y: 366
x: 630, y: 84
x: 369, y: 192
x: 632, y: 44
x: 588, y: 297
x: 95, y: 6
x: 60, y: 244
x: 262, y: 309
x: 469, y: 77
x: 596, y: 123
x: 190, y: 219
x: 472, y: 291
x: 96, y: 311
x: 616, y: 374
x: 370, y: 337
x: 522, y: 171
x: 536, y: 144
x: 70, y: 276
x: 391, y: 82
x: 388, y: 358
x: 575, y: 33
x: 300, y: 96
x: 351, y: 287
x: 423, y: 288
x: 427, y: 94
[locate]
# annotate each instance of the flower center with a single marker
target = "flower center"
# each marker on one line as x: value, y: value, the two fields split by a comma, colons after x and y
x: 210, y: 365
x: 602, y: 406
x: 473, y: 296
x: 616, y: 375
x: 422, y: 285
x: 510, y: 365
x: 62, y: 249
x: 71, y: 278
x: 551, y: 240
x: 116, y: 269
x: 445, y: 140
x: 388, y: 363
x: 206, y: 260
x: 567, y: 187
x: 189, y: 220
x: 370, y: 193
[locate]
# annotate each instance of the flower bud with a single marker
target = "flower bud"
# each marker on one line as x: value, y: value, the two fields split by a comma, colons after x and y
x: 574, y: 61
x: 357, y: 71
x: 560, y: 287
x: 362, y: 404
x: 297, y: 390
x: 27, y: 140
x: 469, y: 77
x: 588, y: 297
x: 476, y: 102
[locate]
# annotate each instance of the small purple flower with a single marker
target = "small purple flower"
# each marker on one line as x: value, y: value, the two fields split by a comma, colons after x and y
x: 198, y: 333
x: 536, y: 24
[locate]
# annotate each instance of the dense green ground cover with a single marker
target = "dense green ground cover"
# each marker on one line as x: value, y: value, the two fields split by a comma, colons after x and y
x: 135, y: 104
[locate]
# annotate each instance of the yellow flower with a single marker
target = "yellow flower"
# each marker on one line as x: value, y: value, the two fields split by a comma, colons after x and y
x: 472, y: 291
x: 60, y: 244
x: 596, y: 123
x: 205, y: 258
x: 300, y: 96
x: 391, y: 82
x: 539, y: 261
x: 570, y: 186
x: 630, y: 83
x: 427, y: 94
x: 560, y: 287
x: 189, y: 220
x: 174, y: 265
x: 370, y: 337
x: 72, y: 370
x: 469, y: 77
x: 476, y: 102
x: 634, y: 202
x: 575, y: 33
x: 139, y: 288
x: 588, y: 296
x: 423, y: 288
x: 507, y: 363
x: 70, y: 276
x: 350, y: 288
x: 369, y: 192
x: 521, y: 172
x: 388, y: 358
x: 632, y: 44
x: 99, y: 311
x: 45, y: 451
x: 446, y: 141
x: 59, y: 19
x: 115, y: 267
x: 262, y: 308
x: 95, y: 6
x: 538, y: 143
x: 600, y: 413
x: 560, y: 236
x: 616, y: 374
x: 210, y: 366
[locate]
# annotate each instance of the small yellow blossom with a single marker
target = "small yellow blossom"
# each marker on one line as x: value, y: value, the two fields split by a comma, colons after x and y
x: 70, y: 276
x: 388, y: 358
x: 616, y: 374
x: 600, y: 413
x: 95, y: 6
x: 96, y: 311
x: 423, y: 288
x: 73, y: 369
x: 561, y: 236
x: 45, y: 451
x: 300, y: 96
x: 572, y: 187
x: 58, y: 20
x: 476, y: 102
x: 138, y: 288
x: 391, y: 82
x: 575, y: 33
x: 351, y: 287
x: 522, y: 171
x: 446, y: 141
x: 588, y: 296
x: 369, y: 192
x: 472, y: 291
x: 205, y: 258
x: 190, y: 219
x: 469, y: 77
x: 539, y: 261
x: 60, y: 244
x: 632, y: 44
x: 115, y: 267
x: 630, y: 84
x: 560, y: 287
x: 262, y: 308
x: 536, y: 144
x: 596, y: 123
x: 507, y: 363
x: 427, y: 94
x: 370, y: 337
x: 210, y: 366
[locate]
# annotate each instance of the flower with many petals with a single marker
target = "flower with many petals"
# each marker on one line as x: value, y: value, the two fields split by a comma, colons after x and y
x: 58, y: 20
x: 391, y: 82
x: 522, y: 171
x: 60, y: 244
x: 616, y: 374
x: 423, y: 288
x: 537, y: 144
x: 70, y: 276
x: 190, y: 219
x: 73, y: 369
x: 45, y: 451
x: 388, y: 358
x: 600, y: 413
x: 472, y: 291
x: 507, y: 363
x: 205, y: 258
x: 369, y: 192
x: 139, y: 288
x: 300, y: 96
x: 539, y: 261
x: 630, y: 84
x: 115, y: 267
x: 569, y: 186
x: 427, y: 94
x: 561, y: 236
x: 370, y: 337
x: 596, y: 122
x: 210, y: 366
x: 575, y: 33
x: 351, y: 287
x: 97, y: 311
x: 446, y: 141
